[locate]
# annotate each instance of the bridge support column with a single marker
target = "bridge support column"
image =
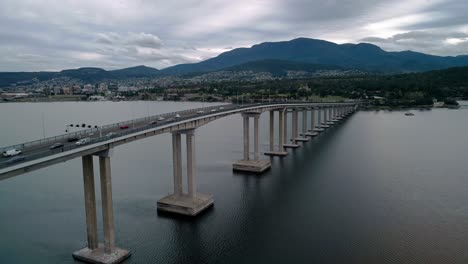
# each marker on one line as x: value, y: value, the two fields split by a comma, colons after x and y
x: 303, y: 137
x: 319, y: 123
x: 330, y: 116
x: 255, y: 165
x: 293, y: 143
x: 312, y: 132
x: 280, y: 151
x: 272, y: 130
x: 338, y: 112
x: 192, y: 202
x: 325, y: 118
x: 106, y: 253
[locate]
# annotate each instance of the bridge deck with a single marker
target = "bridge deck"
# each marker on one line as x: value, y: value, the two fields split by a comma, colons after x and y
x: 37, y: 154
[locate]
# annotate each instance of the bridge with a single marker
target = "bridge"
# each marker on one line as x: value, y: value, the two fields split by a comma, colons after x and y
x: 102, y: 141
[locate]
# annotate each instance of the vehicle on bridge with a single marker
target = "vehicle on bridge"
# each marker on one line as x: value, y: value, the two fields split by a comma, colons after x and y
x: 72, y: 139
x: 11, y: 152
x: 83, y: 141
x: 124, y: 127
x: 56, y: 145
x: 111, y: 134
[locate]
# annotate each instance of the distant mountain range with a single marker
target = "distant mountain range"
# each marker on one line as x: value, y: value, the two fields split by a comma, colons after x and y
x: 300, y: 54
x: 361, y: 56
x: 87, y: 74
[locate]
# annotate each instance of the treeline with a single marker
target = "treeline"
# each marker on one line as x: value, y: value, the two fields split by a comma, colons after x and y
x: 450, y: 83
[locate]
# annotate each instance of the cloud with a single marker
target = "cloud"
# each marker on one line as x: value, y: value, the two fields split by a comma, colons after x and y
x: 433, y: 42
x: 115, y: 34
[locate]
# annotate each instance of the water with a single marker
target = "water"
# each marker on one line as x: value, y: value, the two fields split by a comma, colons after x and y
x: 380, y: 187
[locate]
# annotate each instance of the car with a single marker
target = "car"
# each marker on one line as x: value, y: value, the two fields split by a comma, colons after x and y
x: 56, y: 145
x: 161, y: 118
x: 200, y: 112
x: 177, y: 116
x: 153, y: 122
x: 16, y: 159
x: 221, y: 108
x: 83, y: 141
x: 11, y: 152
x: 72, y: 139
x: 111, y: 134
x: 213, y: 110
x: 124, y: 127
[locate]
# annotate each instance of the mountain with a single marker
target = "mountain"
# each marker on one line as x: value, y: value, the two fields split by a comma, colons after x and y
x: 361, y: 56
x: 86, y: 74
x: 280, y: 67
x: 135, y: 72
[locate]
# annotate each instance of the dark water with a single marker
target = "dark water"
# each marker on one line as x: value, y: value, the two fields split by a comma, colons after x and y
x: 379, y: 188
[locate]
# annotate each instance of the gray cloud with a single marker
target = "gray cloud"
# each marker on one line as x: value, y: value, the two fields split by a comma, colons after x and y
x: 115, y: 34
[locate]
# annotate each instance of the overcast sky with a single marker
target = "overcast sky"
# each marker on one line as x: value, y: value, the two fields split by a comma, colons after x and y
x: 59, y: 34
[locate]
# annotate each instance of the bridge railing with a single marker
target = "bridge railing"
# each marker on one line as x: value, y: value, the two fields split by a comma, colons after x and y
x: 89, y: 132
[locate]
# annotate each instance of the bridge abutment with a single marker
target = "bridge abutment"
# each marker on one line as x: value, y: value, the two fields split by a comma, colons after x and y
x: 106, y: 253
x: 192, y: 202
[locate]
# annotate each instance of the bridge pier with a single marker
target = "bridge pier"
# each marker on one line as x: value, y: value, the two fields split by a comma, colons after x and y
x: 312, y: 132
x: 192, y: 202
x: 246, y: 164
x: 293, y: 143
x: 280, y: 152
x: 106, y: 253
x: 330, y: 116
x: 319, y: 127
x: 325, y: 118
x: 303, y: 137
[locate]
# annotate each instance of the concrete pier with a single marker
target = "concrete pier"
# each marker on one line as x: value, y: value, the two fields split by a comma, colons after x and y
x: 255, y: 165
x: 303, y: 137
x: 312, y: 132
x: 192, y: 202
x: 280, y: 151
x: 325, y: 119
x: 319, y: 125
x: 293, y: 143
x: 330, y: 116
x: 106, y: 253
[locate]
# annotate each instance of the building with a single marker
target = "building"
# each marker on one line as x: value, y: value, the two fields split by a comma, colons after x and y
x: 103, y: 88
x: 67, y: 90
x: 88, y: 88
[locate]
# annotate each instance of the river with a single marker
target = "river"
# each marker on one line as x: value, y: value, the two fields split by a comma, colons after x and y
x: 380, y: 187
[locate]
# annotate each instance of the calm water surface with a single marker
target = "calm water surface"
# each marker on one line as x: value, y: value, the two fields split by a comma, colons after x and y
x: 380, y: 187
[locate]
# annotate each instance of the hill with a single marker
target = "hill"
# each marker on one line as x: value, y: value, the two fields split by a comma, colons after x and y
x: 361, y: 56
x: 87, y: 74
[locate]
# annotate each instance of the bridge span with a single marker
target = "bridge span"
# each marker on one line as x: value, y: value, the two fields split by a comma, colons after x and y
x: 102, y: 141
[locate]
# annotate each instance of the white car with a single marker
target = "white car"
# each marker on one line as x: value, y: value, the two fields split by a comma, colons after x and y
x: 11, y: 152
x: 213, y: 110
x: 161, y: 118
x: 177, y: 116
x: 83, y: 141
x: 200, y: 112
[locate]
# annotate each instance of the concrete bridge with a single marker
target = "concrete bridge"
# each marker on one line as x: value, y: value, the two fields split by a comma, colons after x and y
x: 103, y: 140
